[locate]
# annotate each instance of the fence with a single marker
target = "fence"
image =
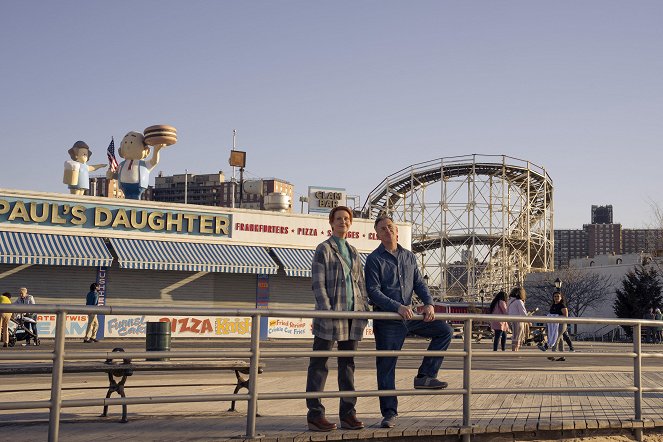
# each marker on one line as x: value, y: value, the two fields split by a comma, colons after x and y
x: 254, y: 354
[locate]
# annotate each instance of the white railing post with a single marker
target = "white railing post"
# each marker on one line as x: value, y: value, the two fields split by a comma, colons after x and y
x: 56, y: 378
x: 467, y: 380
x: 637, y: 377
x: 252, y: 406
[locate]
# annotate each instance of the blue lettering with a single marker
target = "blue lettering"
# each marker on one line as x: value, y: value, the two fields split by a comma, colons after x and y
x: 126, y: 327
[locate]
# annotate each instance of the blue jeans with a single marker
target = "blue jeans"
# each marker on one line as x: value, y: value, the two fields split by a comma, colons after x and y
x: 390, y: 335
x: 500, y: 338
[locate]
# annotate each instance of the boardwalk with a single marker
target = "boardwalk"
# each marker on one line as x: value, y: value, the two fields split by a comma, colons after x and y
x: 429, y: 417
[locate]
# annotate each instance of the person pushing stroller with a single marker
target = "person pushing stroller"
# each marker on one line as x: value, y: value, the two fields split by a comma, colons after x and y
x: 29, y: 320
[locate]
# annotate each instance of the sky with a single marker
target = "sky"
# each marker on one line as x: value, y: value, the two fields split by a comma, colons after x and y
x: 344, y: 93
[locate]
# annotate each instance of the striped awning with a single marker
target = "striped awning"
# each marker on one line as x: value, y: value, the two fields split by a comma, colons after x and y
x: 59, y: 250
x: 297, y: 262
x: 192, y: 257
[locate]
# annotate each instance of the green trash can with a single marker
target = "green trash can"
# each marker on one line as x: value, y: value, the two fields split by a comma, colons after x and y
x: 157, y: 338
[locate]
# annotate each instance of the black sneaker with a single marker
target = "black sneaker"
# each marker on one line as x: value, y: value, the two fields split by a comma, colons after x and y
x: 542, y: 347
x: 561, y: 359
x: 428, y: 383
x: 388, y: 421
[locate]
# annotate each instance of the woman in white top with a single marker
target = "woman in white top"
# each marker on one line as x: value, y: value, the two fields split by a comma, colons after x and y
x: 517, y: 308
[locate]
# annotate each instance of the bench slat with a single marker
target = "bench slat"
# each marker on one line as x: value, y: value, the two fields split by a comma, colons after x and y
x: 95, y: 366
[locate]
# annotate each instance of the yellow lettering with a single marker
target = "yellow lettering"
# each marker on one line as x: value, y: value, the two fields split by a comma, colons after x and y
x: 221, y: 226
x: 143, y: 219
x: 78, y: 215
x: 55, y: 215
x: 102, y: 217
x: 121, y: 218
x: 190, y: 220
x: 155, y: 221
x: 205, y: 224
x: 174, y: 220
x: 19, y: 211
x: 4, y: 207
x: 45, y: 209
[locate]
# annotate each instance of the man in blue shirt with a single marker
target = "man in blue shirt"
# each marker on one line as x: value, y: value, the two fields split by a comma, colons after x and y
x: 392, y: 276
x: 92, y: 298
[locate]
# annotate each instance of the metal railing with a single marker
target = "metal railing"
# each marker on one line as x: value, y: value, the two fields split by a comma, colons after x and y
x: 255, y: 355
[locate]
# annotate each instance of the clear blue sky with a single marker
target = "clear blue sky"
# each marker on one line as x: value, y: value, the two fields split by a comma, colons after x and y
x: 344, y: 93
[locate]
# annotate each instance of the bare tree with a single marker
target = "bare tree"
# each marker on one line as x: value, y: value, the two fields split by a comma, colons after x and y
x: 654, y: 235
x: 582, y: 289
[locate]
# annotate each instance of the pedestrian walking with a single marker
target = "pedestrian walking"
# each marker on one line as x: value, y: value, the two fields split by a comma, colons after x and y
x: 31, y: 324
x: 556, y: 330
x: 500, y: 328
x: 92, y: 298
x: 650, y: 331
x: 659, y: 329
x: 516, y: 307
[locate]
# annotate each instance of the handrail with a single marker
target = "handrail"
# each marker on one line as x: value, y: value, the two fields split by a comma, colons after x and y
x: 255, y: 355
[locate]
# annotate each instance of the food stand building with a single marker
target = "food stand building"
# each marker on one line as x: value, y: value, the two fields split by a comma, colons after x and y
x: 158, y: 254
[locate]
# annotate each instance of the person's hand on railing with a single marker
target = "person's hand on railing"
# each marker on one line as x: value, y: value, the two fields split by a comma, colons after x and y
x: 405, y: 312
x: 429, y: 313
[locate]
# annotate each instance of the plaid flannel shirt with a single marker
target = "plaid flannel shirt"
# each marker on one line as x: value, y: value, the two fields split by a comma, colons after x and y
x: 330, y: 294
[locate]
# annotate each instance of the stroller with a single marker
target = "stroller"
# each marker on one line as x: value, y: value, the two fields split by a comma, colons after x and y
x: 19, y: 330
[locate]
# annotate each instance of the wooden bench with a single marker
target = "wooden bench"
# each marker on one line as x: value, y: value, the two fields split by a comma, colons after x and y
x: 126, y: 367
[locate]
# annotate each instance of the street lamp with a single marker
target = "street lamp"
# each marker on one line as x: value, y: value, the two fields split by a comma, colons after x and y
x: 481, y: 292
x: 558, y: 283
x: 238, y: 159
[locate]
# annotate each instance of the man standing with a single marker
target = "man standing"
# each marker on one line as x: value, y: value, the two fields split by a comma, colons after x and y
x: 391, y: 277
x: 338, y: 285
x: 92, y: 322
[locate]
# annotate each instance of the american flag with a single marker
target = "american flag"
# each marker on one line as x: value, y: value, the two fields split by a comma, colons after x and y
x: 112, y: 162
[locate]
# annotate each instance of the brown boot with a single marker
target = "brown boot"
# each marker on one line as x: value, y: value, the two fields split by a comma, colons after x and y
x: 320, y: 424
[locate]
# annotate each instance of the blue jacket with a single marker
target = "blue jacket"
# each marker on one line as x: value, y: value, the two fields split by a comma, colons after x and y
x: 92, y: 298
x: 390, y: 282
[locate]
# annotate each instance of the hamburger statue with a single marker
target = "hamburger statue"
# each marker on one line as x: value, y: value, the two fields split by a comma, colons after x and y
x: 134, y: 173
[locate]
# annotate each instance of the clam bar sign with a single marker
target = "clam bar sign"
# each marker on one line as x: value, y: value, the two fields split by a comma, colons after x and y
x: 324, y: 199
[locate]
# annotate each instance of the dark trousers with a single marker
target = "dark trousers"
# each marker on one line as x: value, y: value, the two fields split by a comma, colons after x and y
x: 390, y: 335
x: 567, y: 339
x: 500, y: 338
x: 317, y: 376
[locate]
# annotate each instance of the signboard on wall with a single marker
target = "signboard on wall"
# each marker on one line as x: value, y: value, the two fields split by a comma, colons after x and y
x: 122, y: 326
x: 74, y: 328
x: 324, y: 199
x: 39, y: 212
x: 286, y: 328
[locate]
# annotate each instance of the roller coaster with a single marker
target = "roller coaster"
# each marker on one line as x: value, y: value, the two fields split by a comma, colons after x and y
x: 480, y: 223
